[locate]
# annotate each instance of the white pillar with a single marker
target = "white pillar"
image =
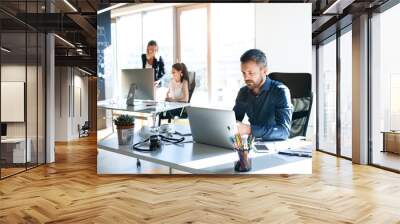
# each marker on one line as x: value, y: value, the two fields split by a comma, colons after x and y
x: 50, y: 99
x: 360, y: 90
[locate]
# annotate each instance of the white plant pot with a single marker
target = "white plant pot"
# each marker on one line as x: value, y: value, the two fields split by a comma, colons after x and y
x: 125, y: 135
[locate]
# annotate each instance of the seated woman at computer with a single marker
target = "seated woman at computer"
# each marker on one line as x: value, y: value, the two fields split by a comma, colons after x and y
x: 178, y: 90
x: 152, y: 60
x: 266, y: 102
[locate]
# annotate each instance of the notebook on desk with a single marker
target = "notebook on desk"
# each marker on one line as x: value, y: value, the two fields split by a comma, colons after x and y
x: 292, y: 152
x: 296, y: 146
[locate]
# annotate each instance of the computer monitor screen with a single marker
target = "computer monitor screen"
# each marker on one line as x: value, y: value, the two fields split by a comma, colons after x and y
x: 3, y: 129
x: 142, y: 78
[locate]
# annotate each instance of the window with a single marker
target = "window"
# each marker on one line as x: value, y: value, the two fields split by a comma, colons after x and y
x: 199, y: 40
x: 134, y: 31
x: 226, y: 75
x: 327, y: 96
x: 129, y: 41
x: 193, y: 47
x: 385, y: 84
x: 158, y: 26
x: 346, y: 94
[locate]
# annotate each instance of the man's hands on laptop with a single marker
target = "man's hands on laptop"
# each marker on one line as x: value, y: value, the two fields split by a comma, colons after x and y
x: 243, y: 129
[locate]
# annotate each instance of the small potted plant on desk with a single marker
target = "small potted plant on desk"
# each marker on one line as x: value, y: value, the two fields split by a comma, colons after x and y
x: 125, y: 127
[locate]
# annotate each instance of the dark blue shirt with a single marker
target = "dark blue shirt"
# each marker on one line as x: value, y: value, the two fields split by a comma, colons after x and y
x: 269, y: 113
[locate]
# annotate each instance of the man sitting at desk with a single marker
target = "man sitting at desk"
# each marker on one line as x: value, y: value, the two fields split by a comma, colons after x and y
x: 266, y: 102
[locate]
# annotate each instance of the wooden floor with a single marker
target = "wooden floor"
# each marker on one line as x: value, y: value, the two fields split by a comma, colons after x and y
x: 70, y: 191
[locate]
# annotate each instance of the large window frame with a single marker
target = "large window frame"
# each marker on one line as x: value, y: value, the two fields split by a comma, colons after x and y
x: 335, y: 37
x: 381, y: 9
x: 179, y: 11
x: 368, y: 35
x: 176, y: 11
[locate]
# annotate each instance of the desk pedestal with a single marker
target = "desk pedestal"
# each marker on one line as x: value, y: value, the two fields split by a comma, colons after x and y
x: 391, y: 142
x: 13, y: 151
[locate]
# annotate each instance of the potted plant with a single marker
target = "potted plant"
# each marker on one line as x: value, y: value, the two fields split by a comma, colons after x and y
x: 125, y: 128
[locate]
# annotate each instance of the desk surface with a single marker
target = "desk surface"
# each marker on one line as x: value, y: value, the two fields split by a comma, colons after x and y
x: 14, y: 140
x: 146, y: 107
x: 391, y: 132
x: 205, y: 159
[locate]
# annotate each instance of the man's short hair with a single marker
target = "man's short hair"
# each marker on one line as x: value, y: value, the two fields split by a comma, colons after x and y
x: 254, y: 55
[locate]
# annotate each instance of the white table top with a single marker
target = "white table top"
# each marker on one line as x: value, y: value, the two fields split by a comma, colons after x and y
x: 205, y: 159
x: 13, y: 140
x: 145, y: 107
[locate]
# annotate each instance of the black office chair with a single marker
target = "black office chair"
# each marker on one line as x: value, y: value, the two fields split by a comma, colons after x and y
x: 84, y: 130
x: 192, y: 86
x: 299, y: 85
x: 181, y: 113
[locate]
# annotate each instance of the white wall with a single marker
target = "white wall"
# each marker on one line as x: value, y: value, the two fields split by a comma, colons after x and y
x: 69, y: 85
x: 61, y: 104
x: 80, y: 83
x: 283, y: 32
x: 17, y: 73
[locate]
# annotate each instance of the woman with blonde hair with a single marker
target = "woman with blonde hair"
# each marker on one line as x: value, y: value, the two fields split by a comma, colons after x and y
x: 152, y: 60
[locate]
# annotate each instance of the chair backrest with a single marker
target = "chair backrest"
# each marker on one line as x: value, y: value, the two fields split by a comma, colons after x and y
x: 86, y: 125
x: 299, y: 85
x: 192, y: 83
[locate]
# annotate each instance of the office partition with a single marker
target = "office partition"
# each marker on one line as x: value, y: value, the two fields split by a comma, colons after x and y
x: 22, y: 77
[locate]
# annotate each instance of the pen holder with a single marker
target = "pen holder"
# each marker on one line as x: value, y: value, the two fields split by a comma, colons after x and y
x: 244, y: 162
x: 242, y: 144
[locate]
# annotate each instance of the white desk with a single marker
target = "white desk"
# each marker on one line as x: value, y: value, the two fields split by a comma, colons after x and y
x: 18, y: 149
x: 205, y: 159
x: 140, y: 108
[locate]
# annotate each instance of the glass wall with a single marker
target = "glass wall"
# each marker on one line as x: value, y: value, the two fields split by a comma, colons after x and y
x: 385, y: 87
x: 330, y: 66
x: 22, y: 92
x: 346, y: 94
x: 327, y: 96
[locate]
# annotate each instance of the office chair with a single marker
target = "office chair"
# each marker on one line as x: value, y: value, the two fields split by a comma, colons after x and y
x: 299, y: 85
x: 84, y: 130
x: 181, y: 113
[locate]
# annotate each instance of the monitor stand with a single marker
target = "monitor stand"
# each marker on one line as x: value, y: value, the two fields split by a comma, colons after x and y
x: 130, y: 100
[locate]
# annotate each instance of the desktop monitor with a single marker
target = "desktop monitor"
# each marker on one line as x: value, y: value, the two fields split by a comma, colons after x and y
x: 142, y: 78
x: 3, y: 130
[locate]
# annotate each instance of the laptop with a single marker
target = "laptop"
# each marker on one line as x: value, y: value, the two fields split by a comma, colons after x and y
x: 212, y: 126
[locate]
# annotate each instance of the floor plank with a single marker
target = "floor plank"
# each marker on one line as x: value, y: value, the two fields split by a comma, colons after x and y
x: 70, y: 191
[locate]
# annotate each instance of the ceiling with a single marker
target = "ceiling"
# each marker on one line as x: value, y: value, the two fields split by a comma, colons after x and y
x: 76, y: 20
